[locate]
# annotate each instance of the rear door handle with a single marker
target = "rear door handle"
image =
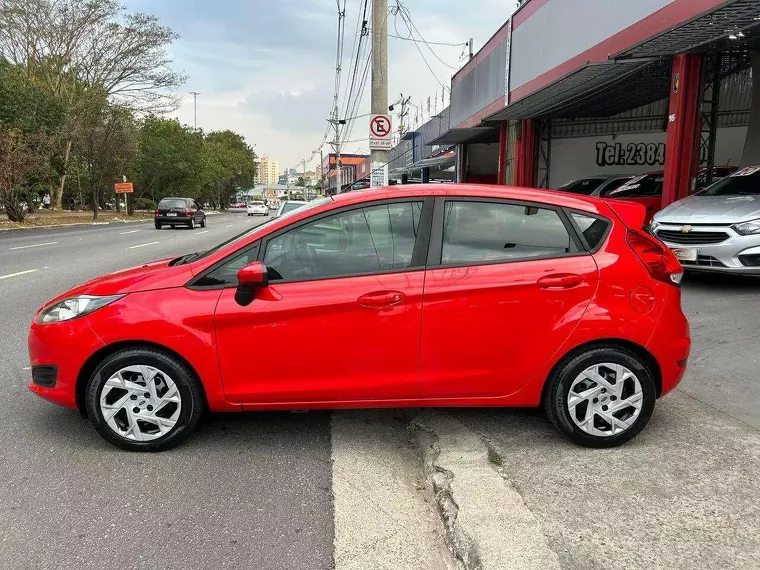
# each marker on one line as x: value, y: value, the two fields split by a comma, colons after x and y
x: 560, y: 281
x: 381, y: 299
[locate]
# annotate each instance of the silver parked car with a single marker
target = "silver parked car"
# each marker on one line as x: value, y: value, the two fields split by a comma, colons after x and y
x: 717, y: 229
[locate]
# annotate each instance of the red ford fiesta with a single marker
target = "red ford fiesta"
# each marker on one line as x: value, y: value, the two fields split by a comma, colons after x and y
x: 416, y: 296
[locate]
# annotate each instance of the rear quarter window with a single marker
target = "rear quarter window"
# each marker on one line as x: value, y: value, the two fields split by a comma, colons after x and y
x: 594, y: 229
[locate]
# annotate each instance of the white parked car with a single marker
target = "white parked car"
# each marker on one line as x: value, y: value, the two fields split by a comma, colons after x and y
x: 289, y: 206
x: 257, y: 208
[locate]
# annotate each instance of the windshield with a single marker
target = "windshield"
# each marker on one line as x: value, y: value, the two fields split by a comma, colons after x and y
x: 172, y: 203
x: 292, y: 206
x: 248, y: 232
x: 649, y: 185
x: 744, y: 182
x: 583, y: 186
x: 256, y: 203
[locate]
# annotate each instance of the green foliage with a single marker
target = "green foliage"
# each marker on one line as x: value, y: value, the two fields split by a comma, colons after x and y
x: 145, y: 204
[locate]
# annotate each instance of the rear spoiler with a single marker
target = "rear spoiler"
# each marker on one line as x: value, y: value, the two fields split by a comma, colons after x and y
x: 631, y: 214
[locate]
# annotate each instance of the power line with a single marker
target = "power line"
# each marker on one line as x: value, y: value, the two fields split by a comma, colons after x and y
x: 427, y: 42
x: 406, y: 17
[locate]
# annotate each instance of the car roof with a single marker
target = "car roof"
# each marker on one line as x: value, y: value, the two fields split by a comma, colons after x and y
x: 553, y: 197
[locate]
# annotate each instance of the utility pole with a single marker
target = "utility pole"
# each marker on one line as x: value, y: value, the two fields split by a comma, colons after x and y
x: 379, y: 104
x: 470, y: 46
x: 336, y: 123
x: 195, y: 109
x: 322, y: 168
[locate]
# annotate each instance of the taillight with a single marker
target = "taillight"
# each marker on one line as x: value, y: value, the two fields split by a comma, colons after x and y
x: 656, y: 257
x: 156, y: 212
x: 187, y: 212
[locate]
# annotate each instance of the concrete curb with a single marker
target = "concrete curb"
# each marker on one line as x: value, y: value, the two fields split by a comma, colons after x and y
x: 488, y: 526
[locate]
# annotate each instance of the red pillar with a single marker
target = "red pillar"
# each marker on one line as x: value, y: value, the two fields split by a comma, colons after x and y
x: 682, y: 147
x: 501, y: 176
x: 525, y: 154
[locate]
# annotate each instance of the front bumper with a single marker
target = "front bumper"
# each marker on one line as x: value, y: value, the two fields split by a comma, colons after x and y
x: 65, y: 346
x: 733, y: 255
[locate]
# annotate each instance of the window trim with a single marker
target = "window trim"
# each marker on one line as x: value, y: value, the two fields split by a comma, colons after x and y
x: 418, y: 253
x: 435, y: 253
x: 192, y: 284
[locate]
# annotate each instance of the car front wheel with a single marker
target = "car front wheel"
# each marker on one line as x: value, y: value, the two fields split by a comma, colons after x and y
x: 602, y: 397
x: 144, y: 399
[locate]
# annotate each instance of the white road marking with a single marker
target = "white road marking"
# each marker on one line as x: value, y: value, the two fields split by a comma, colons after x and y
x: 144, y: 244
x: 19, y: 273
x: 27, y: 368
x: 129, y: 232
x: 203, y: 232
x: 229, y: 226
x: 34, y: 245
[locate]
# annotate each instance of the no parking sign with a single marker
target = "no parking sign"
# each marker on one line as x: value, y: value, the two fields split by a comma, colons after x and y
x: 380, y: 132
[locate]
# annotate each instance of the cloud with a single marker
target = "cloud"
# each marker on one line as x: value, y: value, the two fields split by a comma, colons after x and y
x: 266, y: 69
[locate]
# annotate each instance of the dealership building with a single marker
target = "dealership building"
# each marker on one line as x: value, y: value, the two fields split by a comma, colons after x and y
x: 568, y: 89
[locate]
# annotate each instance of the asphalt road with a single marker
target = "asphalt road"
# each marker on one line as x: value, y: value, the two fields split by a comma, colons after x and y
x: 246, y: 491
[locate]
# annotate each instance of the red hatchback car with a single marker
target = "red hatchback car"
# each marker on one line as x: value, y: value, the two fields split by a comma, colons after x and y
x: 413, y: 296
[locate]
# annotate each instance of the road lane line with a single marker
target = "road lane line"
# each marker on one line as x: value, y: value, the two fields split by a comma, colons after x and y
x: 129, y: 232
x: 34, y: 245
x: 203, y: 232
x: 144, y: 244
x: 19, y: 273
x: 229, y: 226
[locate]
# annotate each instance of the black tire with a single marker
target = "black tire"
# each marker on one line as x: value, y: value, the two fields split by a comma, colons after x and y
x: 191, y: 395
x: 191, y: 224
x: 158, y: 226
x: 203, y: 222
x: 559, y: 383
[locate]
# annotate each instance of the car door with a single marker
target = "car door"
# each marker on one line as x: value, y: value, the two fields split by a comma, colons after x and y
x: 506, y: 284
x: 340, y: 318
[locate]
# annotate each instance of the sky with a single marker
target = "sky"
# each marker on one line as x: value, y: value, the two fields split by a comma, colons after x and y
x: 267, y: 69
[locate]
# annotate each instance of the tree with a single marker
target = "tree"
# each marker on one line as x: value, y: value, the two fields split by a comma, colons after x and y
x: 29, y: 119
x: 71, y: 46
x: 107, y: 146
x: 23, y: 157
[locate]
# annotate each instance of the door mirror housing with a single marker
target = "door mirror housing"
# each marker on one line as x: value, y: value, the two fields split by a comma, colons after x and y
x: 251, y: 278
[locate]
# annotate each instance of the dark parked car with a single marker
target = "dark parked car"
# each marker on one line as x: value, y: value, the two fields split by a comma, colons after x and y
x: 179, y: 212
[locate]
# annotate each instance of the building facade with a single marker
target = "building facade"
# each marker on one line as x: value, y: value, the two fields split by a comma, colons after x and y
x: 267, y: 171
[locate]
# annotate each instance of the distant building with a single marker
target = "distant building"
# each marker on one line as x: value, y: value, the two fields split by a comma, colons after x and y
x: 267, y: 171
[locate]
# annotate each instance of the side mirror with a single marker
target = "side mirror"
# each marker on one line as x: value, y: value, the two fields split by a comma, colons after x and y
x: 251, y: 278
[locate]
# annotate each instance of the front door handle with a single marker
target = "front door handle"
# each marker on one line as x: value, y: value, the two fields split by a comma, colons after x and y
x: 381, y: 299
x: 560, y: 281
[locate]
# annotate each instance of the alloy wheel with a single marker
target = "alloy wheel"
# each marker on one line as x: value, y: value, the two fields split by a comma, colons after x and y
x: 140, y: 403
x: 605, y: 399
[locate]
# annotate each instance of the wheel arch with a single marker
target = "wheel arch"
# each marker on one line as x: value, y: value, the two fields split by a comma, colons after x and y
x: 640, y: 351
x: 101, y: 354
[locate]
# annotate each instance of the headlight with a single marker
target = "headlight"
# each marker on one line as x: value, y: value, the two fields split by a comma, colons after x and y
x: 74, y: 307
x: 653, y: 225
x: 748, y: 228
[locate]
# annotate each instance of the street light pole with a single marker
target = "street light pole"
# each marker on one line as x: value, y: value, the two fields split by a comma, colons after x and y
x: 379, y: 102
x: 195, y: 109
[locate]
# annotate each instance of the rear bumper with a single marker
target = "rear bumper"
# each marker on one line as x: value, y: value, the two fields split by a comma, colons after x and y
x: 671, y: 342
x: 173, y: 219
x: 66, y: 347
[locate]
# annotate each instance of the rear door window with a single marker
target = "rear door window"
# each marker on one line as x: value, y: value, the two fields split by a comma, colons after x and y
x: 490, y: 232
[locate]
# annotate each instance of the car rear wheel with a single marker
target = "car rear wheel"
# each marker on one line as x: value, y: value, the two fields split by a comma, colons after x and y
x: 143, y: 399
x: 192, y: 223
x: 158, y: 226
x: 602, y: 397
x: 203, y: 222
